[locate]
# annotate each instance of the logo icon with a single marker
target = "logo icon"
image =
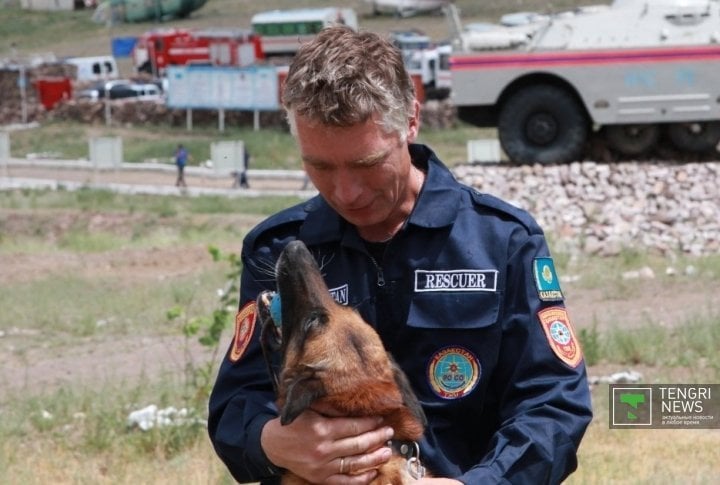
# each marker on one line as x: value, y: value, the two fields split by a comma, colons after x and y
x: 453, y: 372
x: 630, y: 406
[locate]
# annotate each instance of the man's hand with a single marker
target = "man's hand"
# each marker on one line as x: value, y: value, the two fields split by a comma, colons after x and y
x: 332, y: 450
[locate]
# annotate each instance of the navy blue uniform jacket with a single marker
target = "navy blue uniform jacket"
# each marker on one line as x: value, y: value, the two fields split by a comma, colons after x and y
x: 457, y: 302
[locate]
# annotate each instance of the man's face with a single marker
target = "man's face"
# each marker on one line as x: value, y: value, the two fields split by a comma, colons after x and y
x: 362, y: 171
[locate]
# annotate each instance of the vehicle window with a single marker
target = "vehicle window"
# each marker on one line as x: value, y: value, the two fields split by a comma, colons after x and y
x: 119, y: 92
x: 96, y: 68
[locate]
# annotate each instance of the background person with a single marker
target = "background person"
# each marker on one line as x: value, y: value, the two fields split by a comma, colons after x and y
x: 181, y: 159
x: 460, y: 286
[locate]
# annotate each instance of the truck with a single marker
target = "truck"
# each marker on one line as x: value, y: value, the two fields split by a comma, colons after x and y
x: 426, y: 60
x: 631, y: 76
x: 157, y: 49
x: 94, y: 68
x: 283, y: 31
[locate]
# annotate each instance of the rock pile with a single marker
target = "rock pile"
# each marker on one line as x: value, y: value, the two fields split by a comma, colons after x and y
x: 600, y: 208
x: 131, y: 112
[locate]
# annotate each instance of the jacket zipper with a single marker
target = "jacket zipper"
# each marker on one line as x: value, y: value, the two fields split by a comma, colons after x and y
x: 380, y: 275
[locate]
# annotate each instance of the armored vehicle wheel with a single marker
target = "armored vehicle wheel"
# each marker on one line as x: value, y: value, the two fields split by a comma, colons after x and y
x: 695, y: 137
x: 632, y: 139
x: 542, y: 124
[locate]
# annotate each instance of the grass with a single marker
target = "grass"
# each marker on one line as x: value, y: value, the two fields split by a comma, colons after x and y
x: 79, y: 434
x: 691, y: 344
x: 82, y: 436
x: 88, y: 200
x: 270, y: 148
x: 651, y: 456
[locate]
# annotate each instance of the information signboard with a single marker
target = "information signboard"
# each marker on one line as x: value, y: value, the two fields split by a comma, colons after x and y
x: 206, y: 87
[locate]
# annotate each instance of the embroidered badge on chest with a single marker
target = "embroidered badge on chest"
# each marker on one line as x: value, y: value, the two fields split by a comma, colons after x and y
x: 546, y: 280
x: 560, y: 335
x: 244, y: 326
x: 453, y: 372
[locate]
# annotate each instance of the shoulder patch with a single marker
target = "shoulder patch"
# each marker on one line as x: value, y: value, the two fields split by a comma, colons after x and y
x: 244, y: 327
x: 546, y: 280
x: 560, y: 335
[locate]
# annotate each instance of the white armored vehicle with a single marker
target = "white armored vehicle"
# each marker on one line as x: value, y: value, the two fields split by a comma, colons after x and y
x: 633, y: 74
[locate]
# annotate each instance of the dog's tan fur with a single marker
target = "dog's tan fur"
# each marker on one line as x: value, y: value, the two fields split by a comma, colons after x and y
x: 331, y: 357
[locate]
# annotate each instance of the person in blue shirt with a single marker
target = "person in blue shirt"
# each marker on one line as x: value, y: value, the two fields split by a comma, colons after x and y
x: 181, y: 159
x: 460, y: 286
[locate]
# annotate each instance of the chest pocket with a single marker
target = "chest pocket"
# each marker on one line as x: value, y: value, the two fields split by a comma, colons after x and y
x: 465, y: 310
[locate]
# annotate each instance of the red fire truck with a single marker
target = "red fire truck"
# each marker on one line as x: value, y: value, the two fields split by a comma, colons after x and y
x: 159, y: 48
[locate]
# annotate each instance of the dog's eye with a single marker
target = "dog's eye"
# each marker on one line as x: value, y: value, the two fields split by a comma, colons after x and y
x: 315, y: 320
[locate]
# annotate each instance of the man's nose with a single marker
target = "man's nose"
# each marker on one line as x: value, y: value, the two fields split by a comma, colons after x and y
x: 347, y: 187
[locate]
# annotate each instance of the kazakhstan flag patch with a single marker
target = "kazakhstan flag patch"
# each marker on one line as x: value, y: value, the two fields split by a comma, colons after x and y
x: 546, y: 280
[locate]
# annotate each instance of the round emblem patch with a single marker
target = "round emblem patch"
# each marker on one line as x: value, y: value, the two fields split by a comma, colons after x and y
x: 453, y: 372
x: 244, y: 326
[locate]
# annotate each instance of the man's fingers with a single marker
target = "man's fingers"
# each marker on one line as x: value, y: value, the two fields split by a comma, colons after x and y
x: 364, y: 442
x: 369, y: 461
x: 359, y: 468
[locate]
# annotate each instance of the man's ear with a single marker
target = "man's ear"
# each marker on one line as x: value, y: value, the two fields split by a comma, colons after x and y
x: 414, y: 123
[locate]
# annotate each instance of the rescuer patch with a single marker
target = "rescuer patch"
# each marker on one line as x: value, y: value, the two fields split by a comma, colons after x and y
x: 560, y: 335
x: 453, y: 372
x: 244, y: 326
x: 546, y: 279
x: 456, y: 280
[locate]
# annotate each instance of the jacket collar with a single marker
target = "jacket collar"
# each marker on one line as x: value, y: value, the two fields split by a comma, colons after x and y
x: 436, y: 206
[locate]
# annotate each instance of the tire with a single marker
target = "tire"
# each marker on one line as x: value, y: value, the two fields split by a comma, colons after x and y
x: 542, y: 124
x: 695, y: 137
x: 632, y: 140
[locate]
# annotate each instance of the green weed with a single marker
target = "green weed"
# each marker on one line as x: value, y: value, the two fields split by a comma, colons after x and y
x: 690, y: 344
x: 590, y: 342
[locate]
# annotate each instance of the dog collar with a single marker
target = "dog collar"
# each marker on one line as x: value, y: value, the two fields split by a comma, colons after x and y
x: 410, y: 450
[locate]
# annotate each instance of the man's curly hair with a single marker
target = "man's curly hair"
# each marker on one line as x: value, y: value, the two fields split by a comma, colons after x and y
x: 343, y: 77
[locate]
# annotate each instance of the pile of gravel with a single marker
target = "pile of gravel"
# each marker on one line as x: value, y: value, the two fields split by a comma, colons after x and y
x: 600, y: 208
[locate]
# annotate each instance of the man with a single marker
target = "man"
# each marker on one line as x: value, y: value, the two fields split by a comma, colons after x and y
x: 181, y: 159
x: 460, y: 286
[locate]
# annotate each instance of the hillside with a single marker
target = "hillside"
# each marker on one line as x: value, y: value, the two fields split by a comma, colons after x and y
x: 74, y: 34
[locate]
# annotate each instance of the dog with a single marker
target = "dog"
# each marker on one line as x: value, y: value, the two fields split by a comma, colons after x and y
x: 331, y: 357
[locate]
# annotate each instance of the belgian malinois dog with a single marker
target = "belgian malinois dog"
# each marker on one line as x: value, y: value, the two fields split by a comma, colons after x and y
x: 330, y: 356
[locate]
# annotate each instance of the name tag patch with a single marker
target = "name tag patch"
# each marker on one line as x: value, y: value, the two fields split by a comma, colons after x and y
x: 456, y: 280
x: 340, y: 294
x: 546, y: 280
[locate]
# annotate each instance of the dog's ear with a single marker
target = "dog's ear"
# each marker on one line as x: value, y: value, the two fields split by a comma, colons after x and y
x: 408, y: 396
x: 303, y: 388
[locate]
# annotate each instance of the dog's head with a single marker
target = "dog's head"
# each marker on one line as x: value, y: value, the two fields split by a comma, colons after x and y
x: 330, y: 356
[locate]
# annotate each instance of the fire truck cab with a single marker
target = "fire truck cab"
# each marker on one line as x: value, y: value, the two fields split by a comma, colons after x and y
x: 157, y: 49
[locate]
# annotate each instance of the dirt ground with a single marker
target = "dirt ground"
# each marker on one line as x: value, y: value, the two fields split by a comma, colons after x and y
x: 39, y: 367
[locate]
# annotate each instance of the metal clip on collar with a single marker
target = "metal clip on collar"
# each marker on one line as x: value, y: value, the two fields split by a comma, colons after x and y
x: 412, y: 456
